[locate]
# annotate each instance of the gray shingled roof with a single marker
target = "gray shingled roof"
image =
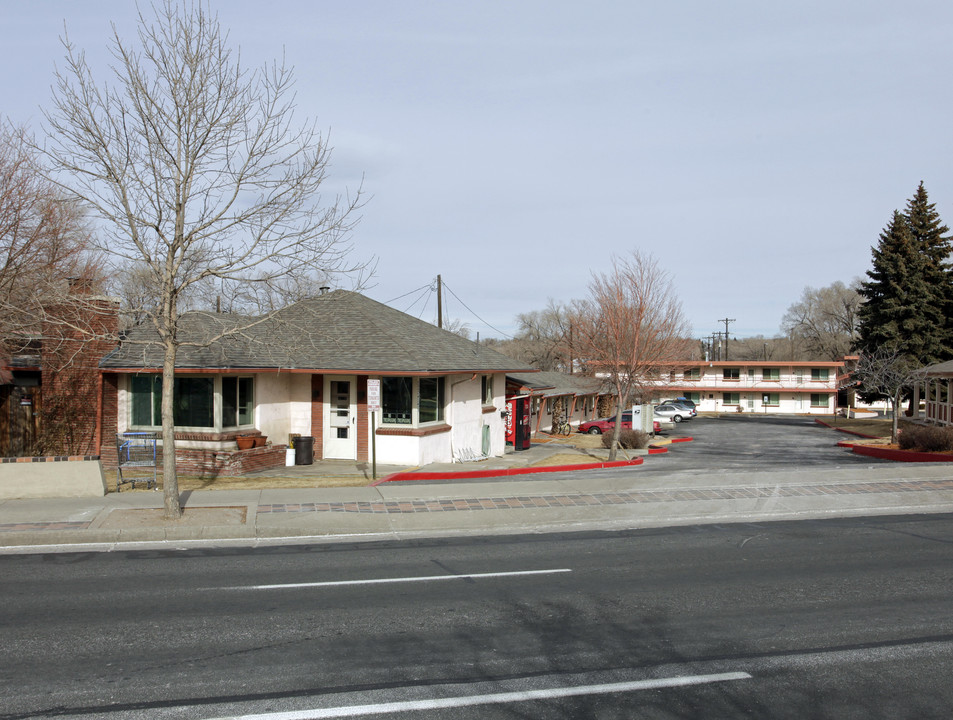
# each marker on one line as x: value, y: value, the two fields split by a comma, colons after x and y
x: 554, y: 384
x: 338, y: 331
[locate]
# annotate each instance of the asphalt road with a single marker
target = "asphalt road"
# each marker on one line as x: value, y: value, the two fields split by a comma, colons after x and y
x: 834, y: 619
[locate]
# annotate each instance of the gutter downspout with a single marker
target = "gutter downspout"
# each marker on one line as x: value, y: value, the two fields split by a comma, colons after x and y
x: 98, y: 438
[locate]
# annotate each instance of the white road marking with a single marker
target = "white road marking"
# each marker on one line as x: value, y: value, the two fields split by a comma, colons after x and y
x: 493, y: 698
x: 378, y: 581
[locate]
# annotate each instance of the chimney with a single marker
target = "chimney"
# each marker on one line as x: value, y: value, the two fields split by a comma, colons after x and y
x: 324, y: 289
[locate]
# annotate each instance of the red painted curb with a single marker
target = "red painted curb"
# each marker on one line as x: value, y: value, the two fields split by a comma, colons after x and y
x: 474, y: 474
x: 900, y: 455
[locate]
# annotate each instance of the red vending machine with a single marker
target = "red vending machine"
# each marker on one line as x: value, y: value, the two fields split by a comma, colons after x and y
x: 518, y: 425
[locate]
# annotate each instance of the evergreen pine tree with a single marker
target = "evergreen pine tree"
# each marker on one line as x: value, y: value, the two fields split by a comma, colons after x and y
x: 933, y: 240
x: 910, y: 288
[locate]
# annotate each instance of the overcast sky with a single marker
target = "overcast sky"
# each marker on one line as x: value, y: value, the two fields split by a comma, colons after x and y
x: 754, y: 148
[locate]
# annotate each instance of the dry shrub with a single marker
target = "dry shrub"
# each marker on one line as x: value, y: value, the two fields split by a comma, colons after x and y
x: 926, y: 438
x: 628, y: 440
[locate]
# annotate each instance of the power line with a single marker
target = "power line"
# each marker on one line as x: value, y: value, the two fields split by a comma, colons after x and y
x: 474, y: 314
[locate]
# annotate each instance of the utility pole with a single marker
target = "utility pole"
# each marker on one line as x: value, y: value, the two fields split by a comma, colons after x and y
x: 439, y: 302
x: 726, y: 321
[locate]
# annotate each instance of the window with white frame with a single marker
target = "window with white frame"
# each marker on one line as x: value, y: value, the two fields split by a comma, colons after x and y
x: 238, y: 402
x: 397, y: 400
x: 771, y: 374
x: 692, y: 374
x: 398, y: 395
x: 771, y: 399
x: 731, y: 398
x: 731, y: 374
x: 193, y: 401
x: 820, y: 374
x: 486, y: 389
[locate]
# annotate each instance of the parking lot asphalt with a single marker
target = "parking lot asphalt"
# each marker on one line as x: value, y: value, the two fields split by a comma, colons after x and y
x: 736, y: 469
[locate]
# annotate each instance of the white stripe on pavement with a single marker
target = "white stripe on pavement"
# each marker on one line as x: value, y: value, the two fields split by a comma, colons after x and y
x: 378, y: 581
x: 493, y: 698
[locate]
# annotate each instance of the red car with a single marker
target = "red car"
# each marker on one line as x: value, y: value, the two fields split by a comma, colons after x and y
x: 604, y: 425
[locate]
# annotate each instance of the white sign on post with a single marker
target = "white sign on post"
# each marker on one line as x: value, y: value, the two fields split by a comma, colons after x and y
x: 373, y: 395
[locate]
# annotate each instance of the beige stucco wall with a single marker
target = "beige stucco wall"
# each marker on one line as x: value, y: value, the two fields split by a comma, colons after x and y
x: 283, y: 405
x: 68, y: 478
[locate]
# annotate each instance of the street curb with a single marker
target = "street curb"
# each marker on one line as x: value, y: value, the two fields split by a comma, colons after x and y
x: 477, y: 474
x: 409, y: 475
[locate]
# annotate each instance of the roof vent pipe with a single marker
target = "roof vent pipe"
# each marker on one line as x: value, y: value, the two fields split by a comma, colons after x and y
x: 324, y: 289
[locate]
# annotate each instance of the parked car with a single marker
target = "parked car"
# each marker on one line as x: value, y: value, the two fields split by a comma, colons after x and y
x: 604, y: 425
x: 690, y: 409
x: 663, y: 423
x: 683, y: 401
x: 675, y: 412
x: 597, y: 427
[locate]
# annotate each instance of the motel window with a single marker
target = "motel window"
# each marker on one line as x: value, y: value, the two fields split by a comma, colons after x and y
x: 771, y: 374
x: 731, y: 398
x: 692, y: 374
x: 820, y: 400
x: 731, y: 374
x: 819, y: 374
x: 771, y: 399
x: 693, y: 396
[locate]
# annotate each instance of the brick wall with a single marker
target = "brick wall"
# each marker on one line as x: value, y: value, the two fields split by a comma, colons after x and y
x: 317, y: 415
x: 363, y: 438
x: 75, y: 338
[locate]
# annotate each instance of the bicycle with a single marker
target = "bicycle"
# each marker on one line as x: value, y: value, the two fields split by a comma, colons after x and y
x: 562, y: 427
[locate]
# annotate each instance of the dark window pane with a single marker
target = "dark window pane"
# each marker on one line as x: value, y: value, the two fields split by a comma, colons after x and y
x: 229, y: 401
x: 192, y: 402
x: 431, y: 399
x: 397, y: 400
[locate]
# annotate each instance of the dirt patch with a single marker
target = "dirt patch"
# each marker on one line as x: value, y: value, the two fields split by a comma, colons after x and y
x: 190, y: 482
x: 875, y: 427
x: 567, y: 459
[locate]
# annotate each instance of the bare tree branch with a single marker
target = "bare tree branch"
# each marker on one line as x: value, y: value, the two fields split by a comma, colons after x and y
x: 631, y: 328
x: 202, y: 179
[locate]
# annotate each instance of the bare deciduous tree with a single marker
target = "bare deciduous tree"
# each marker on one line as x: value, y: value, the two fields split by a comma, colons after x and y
x: 199, y: 174
x: 631, y: 329
x: 544, y: 338
x: 888, y: 372
x: 44, y: 240
x: 825, y: 320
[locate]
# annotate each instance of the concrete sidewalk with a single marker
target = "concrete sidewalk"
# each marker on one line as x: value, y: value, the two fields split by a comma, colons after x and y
x: 581, y: 499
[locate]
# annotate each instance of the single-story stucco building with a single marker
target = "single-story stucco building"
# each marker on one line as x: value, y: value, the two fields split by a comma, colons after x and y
x: 304, y: 371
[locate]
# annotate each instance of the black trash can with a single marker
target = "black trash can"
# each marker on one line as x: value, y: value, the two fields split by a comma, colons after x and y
x: 304, y: 450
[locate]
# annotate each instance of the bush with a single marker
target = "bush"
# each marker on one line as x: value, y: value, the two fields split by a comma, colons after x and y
x: 926, y: 438
x: 628, y: 440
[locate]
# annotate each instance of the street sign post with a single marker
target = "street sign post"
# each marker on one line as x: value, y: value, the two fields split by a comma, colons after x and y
x: 373, y: 406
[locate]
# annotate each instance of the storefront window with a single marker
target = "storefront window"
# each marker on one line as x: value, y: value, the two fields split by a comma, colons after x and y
x: 397, y: 400
x: 193, y: 401
x: 430, y: 405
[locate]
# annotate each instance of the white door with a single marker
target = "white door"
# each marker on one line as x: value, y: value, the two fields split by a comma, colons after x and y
x: 340, y: 418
